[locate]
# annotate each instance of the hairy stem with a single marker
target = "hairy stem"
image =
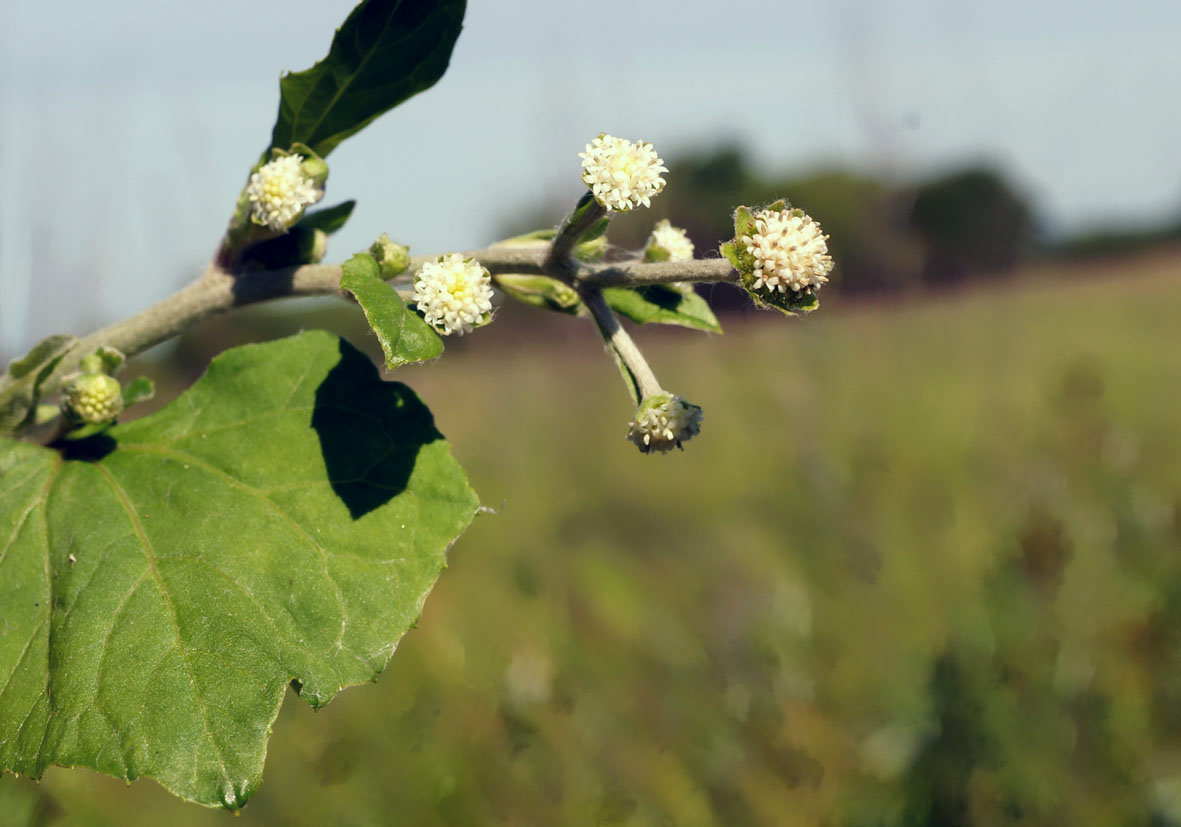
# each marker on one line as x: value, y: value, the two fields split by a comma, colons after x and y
x: 218, y: 291
x: 641, y: 380
x: 584, y: 216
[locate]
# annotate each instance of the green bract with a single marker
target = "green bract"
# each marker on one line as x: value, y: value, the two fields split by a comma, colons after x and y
x: 280, y: 522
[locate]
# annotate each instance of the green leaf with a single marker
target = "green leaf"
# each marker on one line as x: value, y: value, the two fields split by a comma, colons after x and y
x: 140, y: 389
x: 385, y: 52
x: 163, y: 582
x: 404, y: 336
x: 790, y: 303
x: 20, y: 386
x: 662, y: 304
x: 744, y: 222
x: 597, y: 230
x: 730, y: 251
x: 540, y: 291
x: 329, y: 219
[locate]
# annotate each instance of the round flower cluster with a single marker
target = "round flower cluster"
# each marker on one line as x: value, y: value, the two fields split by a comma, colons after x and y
x: 279, y: 191
x: 663, y: 423
x: 621, y: 174
x: 672, y: 239
x: 453, y: 294
x: 789, y: 251
x: 92, y: 398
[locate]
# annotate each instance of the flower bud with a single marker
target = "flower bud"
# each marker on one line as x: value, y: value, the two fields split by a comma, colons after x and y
x: 391, y: 257
x: 663, y: 422
x: 92, y: 399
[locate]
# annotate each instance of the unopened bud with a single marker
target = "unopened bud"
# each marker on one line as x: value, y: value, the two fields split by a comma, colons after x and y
x: 92, y: 399
x: 392, y: 257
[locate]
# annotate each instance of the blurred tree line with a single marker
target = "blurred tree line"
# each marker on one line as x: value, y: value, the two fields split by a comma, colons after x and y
x: 958, y: 225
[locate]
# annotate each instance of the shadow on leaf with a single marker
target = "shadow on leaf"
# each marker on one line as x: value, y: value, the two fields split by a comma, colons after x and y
x: 370, y: 432
x: 88, y: 449
x: 663, y: 297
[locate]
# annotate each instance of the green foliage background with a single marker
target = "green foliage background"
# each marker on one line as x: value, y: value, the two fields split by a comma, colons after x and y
x: 921, y: 567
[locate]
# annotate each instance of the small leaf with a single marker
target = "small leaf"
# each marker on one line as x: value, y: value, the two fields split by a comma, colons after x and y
x: 328, y: 219
x: 110, y: 360
x: 597, y: 230
x: 730, y: 252
x: 404, y: 336
x: 165, y: 581
x: 654, y: 253
x: 385, y: 52
x: 744, y: 222
x: 540, y: 291
x: 537, y: 237
x: 778, y: 206
x: 663, y: 304
x: 20, y: 386
x: 140, y: 389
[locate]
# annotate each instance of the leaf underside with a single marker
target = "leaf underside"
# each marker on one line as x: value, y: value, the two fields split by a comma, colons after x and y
x: 281, y: 521
x: 385, y: 52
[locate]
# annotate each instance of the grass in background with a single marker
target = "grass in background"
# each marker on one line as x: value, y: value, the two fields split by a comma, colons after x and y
x: 922, y: 566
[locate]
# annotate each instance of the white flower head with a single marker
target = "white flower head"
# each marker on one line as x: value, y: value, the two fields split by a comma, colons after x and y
x: 789, y: 251
x: 672, y: 240
x: 663, y: 422
x: 454, y: 294
x: 621, y: 174
x: 279, y: 191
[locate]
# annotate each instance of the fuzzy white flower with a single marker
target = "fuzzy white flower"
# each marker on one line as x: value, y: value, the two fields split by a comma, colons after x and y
x: 622, y: 174
x: 453, y: 294
x: 663, y: 422
x: 279, y: 191
x: 672, y: 239
x: 789, y: 251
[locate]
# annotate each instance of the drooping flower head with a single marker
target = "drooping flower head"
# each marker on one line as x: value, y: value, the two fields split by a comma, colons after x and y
x: 621, y: 174
x: 454, y: 294
x: 789, y: 251
x: 279, y: 191
x: 663, y: 422
x: 668, y: 243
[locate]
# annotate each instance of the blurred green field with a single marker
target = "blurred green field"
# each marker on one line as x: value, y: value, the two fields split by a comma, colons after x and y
x: 922, y: 567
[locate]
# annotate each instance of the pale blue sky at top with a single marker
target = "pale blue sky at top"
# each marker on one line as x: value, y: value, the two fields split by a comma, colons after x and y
x: 127, y: 127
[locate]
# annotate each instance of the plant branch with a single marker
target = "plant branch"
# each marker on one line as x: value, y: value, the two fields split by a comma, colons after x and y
x: 641, y: 380
x: 559, y: 262
x: 218, y: 291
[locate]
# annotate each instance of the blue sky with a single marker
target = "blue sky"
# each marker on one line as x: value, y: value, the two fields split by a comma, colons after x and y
x: 128, y: 126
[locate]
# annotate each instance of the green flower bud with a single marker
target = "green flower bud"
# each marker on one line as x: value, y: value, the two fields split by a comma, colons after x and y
x: 391, y: 257
x: 315, y: 169
x: 92, y: 399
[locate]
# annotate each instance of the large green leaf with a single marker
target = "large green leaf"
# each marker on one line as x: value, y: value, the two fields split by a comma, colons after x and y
x: 281, y: 522
x: 663, y: 304
x: 385, y: 52
x: 404, y: 336
x: 20, y: 385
